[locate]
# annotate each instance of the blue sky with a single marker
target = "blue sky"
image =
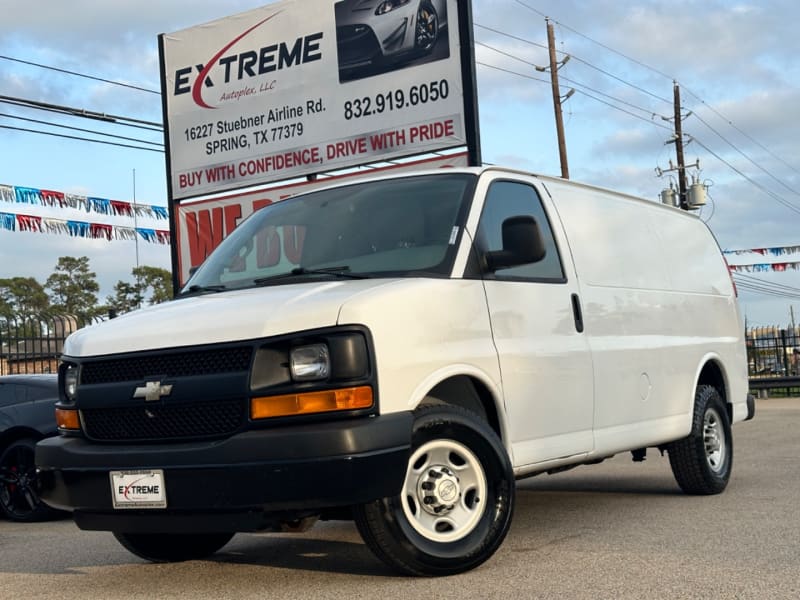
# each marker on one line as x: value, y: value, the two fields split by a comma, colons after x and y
x: 736, y: 63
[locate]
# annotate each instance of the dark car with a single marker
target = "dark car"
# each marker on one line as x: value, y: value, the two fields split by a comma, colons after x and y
x: 27, y: 415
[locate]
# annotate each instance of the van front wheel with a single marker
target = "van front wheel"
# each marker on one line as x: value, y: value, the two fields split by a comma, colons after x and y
x: 702, y: 461
x: 455, y: 506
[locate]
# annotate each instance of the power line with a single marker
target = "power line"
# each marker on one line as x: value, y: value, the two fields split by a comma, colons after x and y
x: 579, y: 86
x: 743, y: 133
x: 582, y: 91
x: 748, y: 287
x: 513, y: 37
x: 767, y: 191
x: 80, y: 112
x: 50, y: 68
x: 654, y: 123
x: 580, y: 60
x: 496, y: 68
x: 72, y: 137
x: 740, y: 173
x: 93, y: 131
x: 586, y: 37
x: 756, y: 280
x: 761, y: 286
x: 662, y: 74
x: 741, y: 152
x: 148, y: 124
x: 621, y: 80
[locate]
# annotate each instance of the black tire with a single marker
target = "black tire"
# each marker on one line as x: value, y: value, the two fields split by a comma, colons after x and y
x: 702, y: 461
x: 19, y: 484
x: 426, y: 32
x: 460, y: 466
x: 173, y: 547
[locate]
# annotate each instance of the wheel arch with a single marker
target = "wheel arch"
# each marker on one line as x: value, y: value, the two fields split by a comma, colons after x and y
x: 11, y: 435
x: 712, y: 373
x: 471, y: 392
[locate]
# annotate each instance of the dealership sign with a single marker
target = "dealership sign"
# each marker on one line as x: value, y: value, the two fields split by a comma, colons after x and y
x: 302, y: 87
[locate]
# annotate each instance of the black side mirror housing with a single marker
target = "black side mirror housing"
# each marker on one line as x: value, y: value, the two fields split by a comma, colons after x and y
x: 522, y: 244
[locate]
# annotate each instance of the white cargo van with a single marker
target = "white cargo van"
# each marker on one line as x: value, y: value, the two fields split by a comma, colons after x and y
x: 398, y: 351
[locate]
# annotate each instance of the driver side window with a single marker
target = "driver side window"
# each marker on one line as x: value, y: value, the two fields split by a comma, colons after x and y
x: 508, y: 199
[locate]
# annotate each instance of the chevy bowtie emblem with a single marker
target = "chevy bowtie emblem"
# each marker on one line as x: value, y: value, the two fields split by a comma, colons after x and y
x: 152, y: 390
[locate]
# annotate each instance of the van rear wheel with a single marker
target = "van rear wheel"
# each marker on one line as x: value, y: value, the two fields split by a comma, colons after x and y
x: 702, y: 461
x: 455, y: 506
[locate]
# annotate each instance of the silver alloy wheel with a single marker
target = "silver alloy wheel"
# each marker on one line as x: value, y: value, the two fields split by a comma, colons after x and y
x: 444, y: 493
x: 714, y: 440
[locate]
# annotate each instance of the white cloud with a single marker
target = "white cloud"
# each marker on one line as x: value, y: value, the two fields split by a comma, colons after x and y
x: 739, y: 57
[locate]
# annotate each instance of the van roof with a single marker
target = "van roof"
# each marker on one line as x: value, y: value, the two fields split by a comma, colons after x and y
x: 546, y: 179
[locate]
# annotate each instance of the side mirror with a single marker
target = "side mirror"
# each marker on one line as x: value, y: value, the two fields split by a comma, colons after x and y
x: 522, y: 244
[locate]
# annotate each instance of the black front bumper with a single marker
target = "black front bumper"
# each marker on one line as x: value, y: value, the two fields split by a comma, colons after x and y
x: 242, y: 483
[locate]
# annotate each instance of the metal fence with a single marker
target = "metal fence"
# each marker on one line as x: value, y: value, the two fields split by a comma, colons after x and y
x: 773, y: 352
x: 773, y: 357
x: 33, y: 343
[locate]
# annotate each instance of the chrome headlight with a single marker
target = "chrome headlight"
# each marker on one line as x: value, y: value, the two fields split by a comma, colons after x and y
x: 310, y: 363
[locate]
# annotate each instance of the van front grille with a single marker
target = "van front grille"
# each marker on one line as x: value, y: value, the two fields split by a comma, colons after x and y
x: 201, y: 420
x: 185, y: 363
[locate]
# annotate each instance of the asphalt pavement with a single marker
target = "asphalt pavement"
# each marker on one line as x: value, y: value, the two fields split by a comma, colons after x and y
x: 610, y: 531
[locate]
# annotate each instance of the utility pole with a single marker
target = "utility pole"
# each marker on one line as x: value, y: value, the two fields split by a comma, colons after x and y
x: 562, y: 144
x: 686, y: 199
x: 682, y: 198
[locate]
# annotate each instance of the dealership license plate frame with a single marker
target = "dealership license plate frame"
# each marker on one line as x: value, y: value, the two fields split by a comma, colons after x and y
x: 123, y: 496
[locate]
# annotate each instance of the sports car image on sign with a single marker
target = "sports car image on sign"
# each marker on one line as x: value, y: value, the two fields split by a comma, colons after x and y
x: 375, y: 36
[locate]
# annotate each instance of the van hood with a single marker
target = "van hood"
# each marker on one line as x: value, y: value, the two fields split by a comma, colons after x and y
x: 221, y: 317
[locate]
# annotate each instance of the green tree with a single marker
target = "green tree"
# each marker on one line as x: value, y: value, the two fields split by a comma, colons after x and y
x: 22, y: 296
x: 73, y: 288
x: 126, y: 298
x: 156, y: 280
x: 151, y: 285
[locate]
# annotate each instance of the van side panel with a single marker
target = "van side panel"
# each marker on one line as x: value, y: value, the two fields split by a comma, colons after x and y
x: 702, y: 272
x: 657, y: 299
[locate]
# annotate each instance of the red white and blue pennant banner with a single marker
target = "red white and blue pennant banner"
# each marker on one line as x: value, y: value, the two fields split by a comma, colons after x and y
x: 778, y: 251
x: 765, y: 267
x: 51, y: 198
x: 60, y: 200
x: 35, y: 223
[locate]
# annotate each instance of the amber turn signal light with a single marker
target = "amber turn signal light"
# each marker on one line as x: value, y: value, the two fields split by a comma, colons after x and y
x: 310, y: 402
x: 67, y: 419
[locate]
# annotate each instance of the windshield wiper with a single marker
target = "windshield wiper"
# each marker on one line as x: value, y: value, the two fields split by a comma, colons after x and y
x: 203, y: 289
x: 342, y: 271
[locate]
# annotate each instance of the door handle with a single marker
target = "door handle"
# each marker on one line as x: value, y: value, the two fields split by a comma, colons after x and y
x: 577, y: 313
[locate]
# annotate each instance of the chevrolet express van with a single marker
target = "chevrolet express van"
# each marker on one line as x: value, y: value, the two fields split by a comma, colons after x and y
x: 398, y: 351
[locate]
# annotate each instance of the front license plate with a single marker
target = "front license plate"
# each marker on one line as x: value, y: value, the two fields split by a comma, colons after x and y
x: 138, y: 489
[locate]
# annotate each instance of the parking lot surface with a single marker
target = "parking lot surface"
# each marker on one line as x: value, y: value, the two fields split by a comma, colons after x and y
x: 615, y: 530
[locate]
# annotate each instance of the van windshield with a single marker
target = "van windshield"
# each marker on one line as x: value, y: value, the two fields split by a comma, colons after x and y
x: 402, y: 227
